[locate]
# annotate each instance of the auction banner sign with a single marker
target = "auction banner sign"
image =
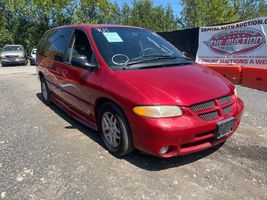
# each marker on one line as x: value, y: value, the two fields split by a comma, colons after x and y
x: 243, y: 43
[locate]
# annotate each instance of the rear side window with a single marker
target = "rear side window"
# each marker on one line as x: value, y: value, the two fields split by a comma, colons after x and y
x: 42, y: 48
x: 54, y: 43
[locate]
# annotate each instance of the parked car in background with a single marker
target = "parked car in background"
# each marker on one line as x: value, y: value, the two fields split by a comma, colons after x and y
x: 137, y: 89
x: 13, y: 54
x: 32, y: 57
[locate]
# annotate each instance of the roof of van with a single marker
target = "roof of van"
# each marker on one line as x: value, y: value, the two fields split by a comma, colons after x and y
x: 95, y: 26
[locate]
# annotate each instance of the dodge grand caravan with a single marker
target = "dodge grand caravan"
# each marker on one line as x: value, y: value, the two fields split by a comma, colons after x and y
x: 136, y: 89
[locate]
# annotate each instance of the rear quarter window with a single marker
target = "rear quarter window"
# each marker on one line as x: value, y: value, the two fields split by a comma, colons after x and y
x: 53, y: 44
x: 42, y: 48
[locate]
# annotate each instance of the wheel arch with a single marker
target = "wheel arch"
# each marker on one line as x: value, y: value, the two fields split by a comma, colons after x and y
x: 100, y: 102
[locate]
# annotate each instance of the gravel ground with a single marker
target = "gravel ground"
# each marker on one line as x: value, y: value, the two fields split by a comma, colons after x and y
x: 256, y: 107
x: 44, y: 154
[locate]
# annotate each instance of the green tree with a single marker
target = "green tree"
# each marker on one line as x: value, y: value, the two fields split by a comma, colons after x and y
x: 5, y: 36
x: 25, y: 21
x: 209, y: 12
x: 126, y: 14
x: 97, y: 12
x: 145, y: 14
x: 250, y: 8
x: 28, y: 20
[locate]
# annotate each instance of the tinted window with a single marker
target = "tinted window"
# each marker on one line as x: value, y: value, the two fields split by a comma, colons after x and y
x: 53, y: 44
x: 41, y: 48
x: 43, y: 45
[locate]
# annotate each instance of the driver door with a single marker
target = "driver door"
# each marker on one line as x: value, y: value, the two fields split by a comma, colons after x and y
x: 77, y: 91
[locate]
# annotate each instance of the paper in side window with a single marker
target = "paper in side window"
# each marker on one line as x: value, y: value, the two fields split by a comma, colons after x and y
x: 112, y: 37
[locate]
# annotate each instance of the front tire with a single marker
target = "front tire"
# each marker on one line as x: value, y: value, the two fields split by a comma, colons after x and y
x: 46, y: 93
x: 115, y: 130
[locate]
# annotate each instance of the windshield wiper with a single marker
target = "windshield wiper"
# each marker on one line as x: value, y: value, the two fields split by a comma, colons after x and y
x: 153, y: 58
x: 166, y: 56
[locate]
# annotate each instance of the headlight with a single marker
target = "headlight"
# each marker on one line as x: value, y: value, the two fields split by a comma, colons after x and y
x: 235, y: 92
x: 158, y: 111
x: 3, y: 56
x: 20, y: 55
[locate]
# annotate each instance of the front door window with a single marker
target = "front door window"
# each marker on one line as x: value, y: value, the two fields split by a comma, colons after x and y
x: 79, y: 46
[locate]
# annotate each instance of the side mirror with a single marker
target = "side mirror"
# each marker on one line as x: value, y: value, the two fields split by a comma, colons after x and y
x: 82, y: 62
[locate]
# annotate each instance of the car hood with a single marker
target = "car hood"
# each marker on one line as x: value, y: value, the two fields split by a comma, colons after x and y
x: 182, y: 85
x: 12, y: 53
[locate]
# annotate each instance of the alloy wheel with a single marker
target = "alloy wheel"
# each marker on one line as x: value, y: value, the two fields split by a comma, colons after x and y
x: 111, y: 129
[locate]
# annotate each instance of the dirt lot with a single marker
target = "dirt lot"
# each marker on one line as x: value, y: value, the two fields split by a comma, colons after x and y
x: 44, y: 154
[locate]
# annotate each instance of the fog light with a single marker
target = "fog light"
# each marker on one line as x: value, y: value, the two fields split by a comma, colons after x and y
x: 164, y: 150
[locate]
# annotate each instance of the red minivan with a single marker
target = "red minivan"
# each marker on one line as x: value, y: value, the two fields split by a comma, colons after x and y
x: 136, y: 89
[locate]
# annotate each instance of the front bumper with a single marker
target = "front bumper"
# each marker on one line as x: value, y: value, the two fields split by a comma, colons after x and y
x: 7, y: 61
x: 184, y: 135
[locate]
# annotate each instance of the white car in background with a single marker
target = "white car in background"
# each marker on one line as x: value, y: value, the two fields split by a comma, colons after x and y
x: 13, y: 54
x: 33, y: 57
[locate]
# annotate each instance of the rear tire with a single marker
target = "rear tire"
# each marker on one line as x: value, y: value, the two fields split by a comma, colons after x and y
x: 46, y: 93
x: 115, y: 130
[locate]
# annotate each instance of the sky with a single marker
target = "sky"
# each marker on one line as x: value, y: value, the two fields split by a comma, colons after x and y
x: 175, y: 4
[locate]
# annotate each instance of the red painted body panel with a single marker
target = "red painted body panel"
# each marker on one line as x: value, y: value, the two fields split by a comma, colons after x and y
x: 77, y: 90
x: 181, y: 85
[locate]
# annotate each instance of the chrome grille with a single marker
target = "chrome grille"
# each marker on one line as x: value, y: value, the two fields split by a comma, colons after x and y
x: 227, y: 110
x: 225, y: 99
x: 202, y: 106
x: 209, y: 116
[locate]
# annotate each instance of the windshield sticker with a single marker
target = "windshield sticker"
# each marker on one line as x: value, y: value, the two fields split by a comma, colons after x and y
x: 161, y: 47
x: 102, y: 30
x: 168, y: 49
x: 112, y: 37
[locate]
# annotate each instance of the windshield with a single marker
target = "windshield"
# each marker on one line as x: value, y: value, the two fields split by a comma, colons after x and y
x: 33, y: 51
x: 124, y: 46
x: 12, y: 48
